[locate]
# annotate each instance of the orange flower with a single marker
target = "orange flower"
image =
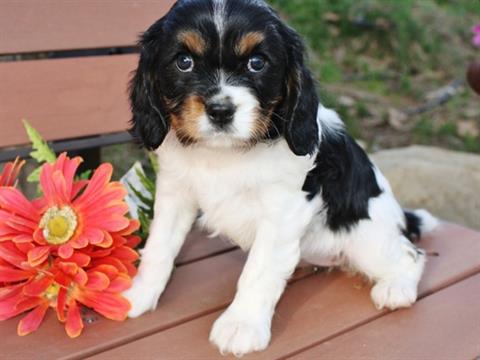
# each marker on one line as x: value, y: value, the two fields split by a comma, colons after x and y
x: 72, y: 247
x: 70, y: 215
x: 62, y: 286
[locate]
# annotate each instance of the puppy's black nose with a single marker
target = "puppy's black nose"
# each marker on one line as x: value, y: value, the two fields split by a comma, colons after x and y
x: 220, y: 112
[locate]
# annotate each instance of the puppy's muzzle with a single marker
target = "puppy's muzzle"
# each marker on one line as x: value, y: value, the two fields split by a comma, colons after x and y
x: 220, y: 113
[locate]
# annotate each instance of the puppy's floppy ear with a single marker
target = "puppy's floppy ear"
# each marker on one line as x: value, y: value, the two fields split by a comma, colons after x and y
x: 150, y: 123
x: 301, y: 131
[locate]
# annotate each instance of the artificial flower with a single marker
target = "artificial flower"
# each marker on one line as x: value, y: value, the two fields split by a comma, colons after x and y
x: 62, y: 285
x: 95, y: 281
x: 70, y: 215
x: 72, y: 247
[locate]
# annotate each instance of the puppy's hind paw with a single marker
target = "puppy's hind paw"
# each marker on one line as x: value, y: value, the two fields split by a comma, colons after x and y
x: 239, y: 336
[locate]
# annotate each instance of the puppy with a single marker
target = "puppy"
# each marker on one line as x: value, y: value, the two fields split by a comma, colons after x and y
x: 224, y: 97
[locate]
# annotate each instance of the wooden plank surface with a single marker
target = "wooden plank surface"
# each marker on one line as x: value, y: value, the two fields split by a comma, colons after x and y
x: 32, y: 25
x: 445, y: 325
x: 195, y: 289
x: 317, y: 308
x: 64, y: 98
x: 199, y: 245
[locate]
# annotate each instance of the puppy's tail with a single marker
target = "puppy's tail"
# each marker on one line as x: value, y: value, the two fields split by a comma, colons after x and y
x: 418, y: 223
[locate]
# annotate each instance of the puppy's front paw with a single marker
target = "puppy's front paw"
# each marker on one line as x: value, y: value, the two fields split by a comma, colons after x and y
x: 394, y: 294
x: 238, y: 335
x: 142, y: 296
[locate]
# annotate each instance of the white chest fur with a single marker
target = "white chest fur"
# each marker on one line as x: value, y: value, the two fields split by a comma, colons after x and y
x: 235, y: 189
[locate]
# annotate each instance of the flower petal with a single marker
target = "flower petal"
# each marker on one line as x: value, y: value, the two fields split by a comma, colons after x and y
x: 13, y: 200
x: 92, y: 235
x: 38, y: 255
x: 74, y: 323
x: 9, y: 274
x: 476, y: 40
x: 10, y: 253
x: 97, y: 281
x: 32, y: 321
x: 125, y: 253
x: 112, y: 306
x: 28, y: 303
x: 120, y: 284
x: 65, y: 251
x: 97, y: 183
x: 10, y: 172
x: 80, y: 259
x: 109, y: 270
x: 37, y: 286
x: 61, y: 304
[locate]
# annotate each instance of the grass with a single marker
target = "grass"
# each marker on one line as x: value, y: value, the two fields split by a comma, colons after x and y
x: 398, y: 51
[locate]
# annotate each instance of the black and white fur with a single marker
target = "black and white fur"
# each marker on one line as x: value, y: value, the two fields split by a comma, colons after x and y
x: 294, y: 186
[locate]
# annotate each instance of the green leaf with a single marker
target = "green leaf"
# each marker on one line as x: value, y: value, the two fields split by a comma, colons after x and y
x: 34, y: 177
x: 41, y: 151
x: 153, y: 162
x: 146, y: 182
x: 144, y: 199
x: 85, y: 175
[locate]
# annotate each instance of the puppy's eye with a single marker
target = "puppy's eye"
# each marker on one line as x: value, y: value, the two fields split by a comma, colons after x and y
x: 185, y: 63
x: 256, y: 63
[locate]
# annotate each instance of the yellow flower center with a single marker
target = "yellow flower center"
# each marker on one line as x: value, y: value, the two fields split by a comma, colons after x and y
x: 52, y: 292
x: 58, y: 225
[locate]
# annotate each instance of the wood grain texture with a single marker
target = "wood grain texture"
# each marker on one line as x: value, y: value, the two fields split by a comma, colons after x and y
x: 30, y: 25
x: 64, y: 98
x: 199, y: 245
x: 317, y: 308
x: 445, y: 325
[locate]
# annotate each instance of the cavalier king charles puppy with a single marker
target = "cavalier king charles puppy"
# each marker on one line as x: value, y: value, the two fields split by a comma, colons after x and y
x: 223, y: 95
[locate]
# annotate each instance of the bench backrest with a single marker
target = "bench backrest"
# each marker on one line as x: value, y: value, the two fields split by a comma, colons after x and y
x: 78, y: 90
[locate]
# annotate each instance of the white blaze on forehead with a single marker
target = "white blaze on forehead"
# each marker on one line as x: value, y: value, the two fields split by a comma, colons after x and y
x: 219, y: 15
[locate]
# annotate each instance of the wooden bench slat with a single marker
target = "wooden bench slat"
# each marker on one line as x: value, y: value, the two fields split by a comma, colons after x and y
x: 199, y: 245
x: 445, y: 325
x: 31, y: 26
x: 195, y: 289
x: 64, y: 98
x: 316, y: 308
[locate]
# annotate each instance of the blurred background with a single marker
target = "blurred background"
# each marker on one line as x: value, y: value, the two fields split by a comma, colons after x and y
x: 394, y: 69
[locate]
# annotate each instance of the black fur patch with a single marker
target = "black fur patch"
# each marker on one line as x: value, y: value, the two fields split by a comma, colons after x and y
x: 414, y: 223
x: 344, y: 176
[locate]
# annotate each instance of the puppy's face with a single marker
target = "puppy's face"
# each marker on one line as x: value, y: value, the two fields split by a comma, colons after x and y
x: 220, y: 73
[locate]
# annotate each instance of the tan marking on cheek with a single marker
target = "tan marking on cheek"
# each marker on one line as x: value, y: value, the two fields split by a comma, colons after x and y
x: 186, y: 124
x: 193, y: 41
x: 263, y: 122
x: 248, y: 43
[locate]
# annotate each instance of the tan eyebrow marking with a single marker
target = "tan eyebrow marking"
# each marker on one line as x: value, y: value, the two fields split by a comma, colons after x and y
x: 248, y: 42
x: 193, y: 41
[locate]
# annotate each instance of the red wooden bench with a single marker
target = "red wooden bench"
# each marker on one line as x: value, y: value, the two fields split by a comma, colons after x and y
x: 322, y: 314
x: 74, y: 93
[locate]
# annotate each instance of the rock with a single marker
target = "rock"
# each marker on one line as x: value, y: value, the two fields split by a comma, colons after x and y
x: 446, y: 183
x: 398, y: 119
x: 346, y: 101
x: 468, y: 128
